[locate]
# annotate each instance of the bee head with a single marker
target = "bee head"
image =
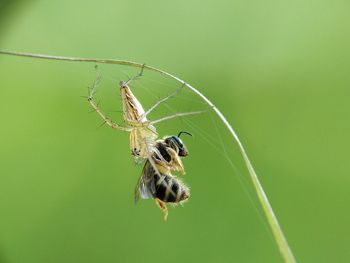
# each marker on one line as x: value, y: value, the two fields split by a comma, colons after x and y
x: 176, y: 143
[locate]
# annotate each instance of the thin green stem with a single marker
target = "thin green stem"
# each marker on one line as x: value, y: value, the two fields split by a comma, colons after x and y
x: 281, y: 241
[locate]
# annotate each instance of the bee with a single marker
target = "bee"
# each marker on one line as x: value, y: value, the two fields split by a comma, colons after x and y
x: 143, y: 133
x: 156, y: 180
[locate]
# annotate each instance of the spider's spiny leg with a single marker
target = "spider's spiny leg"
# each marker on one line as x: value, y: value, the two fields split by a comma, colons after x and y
x: 95, y: 106
x: 136, y: 76
x: 155, y: 105
x: 176, y: 115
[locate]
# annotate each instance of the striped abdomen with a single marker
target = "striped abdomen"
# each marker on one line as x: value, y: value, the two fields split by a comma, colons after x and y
x: 169, y: 189
x: 132, y: 108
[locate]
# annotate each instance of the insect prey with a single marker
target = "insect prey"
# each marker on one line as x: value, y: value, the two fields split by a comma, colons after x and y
x: 161, y: 156
x: 156, y: 180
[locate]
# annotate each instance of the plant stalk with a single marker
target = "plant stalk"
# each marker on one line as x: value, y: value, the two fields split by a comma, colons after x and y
x: 280, y: 239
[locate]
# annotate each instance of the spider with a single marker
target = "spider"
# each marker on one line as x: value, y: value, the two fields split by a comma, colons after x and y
x: 143, y: 133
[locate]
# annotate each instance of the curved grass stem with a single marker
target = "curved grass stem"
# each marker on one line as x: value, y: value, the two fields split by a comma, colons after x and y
x: 280, y: 239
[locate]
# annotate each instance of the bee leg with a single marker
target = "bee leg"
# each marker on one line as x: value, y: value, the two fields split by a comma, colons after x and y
x: 163, y: 207
x: 176, y: 161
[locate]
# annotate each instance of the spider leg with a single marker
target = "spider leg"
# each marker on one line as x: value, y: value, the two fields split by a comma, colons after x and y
x: 136, y: 76
x: 95, y: 106
x: 175, y: 115
x: 156, y: 104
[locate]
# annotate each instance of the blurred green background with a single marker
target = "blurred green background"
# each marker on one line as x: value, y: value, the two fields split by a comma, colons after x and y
x: 278, y: 70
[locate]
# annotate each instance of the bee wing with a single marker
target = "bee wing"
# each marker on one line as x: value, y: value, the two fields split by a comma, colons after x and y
x: 145, y: 187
